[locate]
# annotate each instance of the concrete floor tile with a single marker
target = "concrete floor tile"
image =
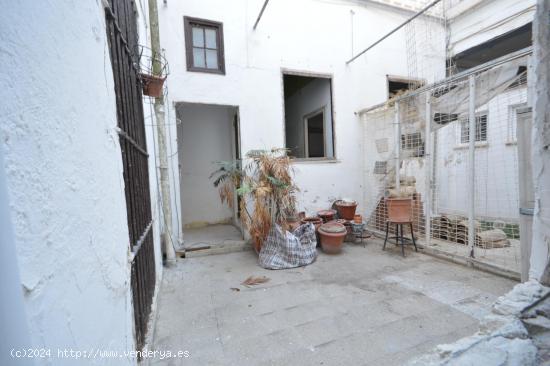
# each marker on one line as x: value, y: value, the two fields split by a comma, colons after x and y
x: 364, y: 306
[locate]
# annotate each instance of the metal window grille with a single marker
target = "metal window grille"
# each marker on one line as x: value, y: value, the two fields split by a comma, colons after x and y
x: 124, y: 53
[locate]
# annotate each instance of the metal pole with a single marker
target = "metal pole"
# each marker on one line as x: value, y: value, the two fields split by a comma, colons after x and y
x: 260, y: 15
x: 161, y: 131
x: 393, y: 31
x: 472, y: 165
x: 397, y: 149
x: 428, y: 166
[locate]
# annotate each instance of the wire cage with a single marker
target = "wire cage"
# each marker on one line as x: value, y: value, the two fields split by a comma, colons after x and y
x: 464, y: 185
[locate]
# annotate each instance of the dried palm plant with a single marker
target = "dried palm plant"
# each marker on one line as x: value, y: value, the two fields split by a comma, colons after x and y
x: 264, y: 184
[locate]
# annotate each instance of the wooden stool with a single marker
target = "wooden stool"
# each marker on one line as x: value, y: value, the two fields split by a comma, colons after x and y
x: 399, y: 214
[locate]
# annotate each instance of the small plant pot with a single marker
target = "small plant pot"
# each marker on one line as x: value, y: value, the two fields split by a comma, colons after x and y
x: 152, y: 85
x: 358, y: 219
x: 346, y: 209
x: 332, y: 236
x: 326, y: 215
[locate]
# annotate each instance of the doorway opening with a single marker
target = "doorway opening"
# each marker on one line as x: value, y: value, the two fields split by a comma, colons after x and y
x: 207, y: 134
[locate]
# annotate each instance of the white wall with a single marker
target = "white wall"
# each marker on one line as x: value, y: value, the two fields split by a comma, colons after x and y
x: 205, y: 136
x: 315, y: 95
x: 309, y: 35
x: 473, y: 22
x: 64, y: 173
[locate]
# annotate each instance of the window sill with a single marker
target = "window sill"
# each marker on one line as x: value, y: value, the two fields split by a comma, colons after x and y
x: 467, y: 146
x: 314, y: 160
x: 206, y: 71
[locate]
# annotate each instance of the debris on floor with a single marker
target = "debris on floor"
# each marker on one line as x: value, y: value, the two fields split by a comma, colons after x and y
x: 253, y: 281
x: 505, y: 337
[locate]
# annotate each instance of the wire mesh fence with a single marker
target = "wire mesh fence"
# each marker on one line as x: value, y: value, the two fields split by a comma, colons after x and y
x: 453, y: 149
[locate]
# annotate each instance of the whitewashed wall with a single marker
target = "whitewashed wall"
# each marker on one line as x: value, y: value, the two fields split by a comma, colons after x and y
x: 64, y: 173
x: 310, y: 36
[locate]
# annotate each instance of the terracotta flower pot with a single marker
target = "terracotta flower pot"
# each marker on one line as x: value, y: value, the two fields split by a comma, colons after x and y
x: 152, y: 85
x: 317, y: 221
x: 332, y: 236
x: 346, y: 209
x: 358, y: 219
x: 326, y: 215
x: 399, y: 209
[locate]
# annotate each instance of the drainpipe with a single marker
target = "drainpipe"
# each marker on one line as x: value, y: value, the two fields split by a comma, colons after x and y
x: 14, y: 331
x: 472, y: 166
x: 161, y: 132
x: 397, y: 127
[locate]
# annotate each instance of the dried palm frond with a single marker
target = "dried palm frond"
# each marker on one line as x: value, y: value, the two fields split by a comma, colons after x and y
x: 265, y: 184
x: 252, y: 281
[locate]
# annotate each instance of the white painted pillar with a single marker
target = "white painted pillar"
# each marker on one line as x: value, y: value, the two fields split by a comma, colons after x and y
x: 472, y: 165
x: 397, y: 125
x: 428, y: 166
x: 14, y: 331
x: 540, y: 247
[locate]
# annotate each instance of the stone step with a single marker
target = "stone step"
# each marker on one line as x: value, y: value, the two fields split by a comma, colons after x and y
x: 203, y: 249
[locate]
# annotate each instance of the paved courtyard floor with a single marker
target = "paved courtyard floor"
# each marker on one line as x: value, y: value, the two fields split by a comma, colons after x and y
x: 364, y: 306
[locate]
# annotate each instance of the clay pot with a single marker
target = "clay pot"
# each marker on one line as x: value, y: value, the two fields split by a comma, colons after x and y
x: 317, y: 221
x: 346, y: 209
x: 332, y: 236
x: 399, y: 209
x: 358, y: 219
x: 152, y: 85
x: 326, y: 215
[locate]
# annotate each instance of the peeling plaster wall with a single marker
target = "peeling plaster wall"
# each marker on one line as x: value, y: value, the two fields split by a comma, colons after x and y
x: 309, y: 36
x: 64, y: 173
x: 540, y: 249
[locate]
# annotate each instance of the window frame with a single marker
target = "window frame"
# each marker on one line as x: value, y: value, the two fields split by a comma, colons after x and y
x: 333, y: 107
x: 465, y: 124
x: 188, y: 23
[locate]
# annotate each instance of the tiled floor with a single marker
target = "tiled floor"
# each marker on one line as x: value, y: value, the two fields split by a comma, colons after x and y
x: 361, y: 307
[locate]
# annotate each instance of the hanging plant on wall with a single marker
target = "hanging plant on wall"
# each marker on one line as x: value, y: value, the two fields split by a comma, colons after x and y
x: 265, y: 188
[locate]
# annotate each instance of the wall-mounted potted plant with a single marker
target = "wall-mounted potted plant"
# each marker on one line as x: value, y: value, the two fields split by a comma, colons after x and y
x: 153, y: 72
x: 152, y: 85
